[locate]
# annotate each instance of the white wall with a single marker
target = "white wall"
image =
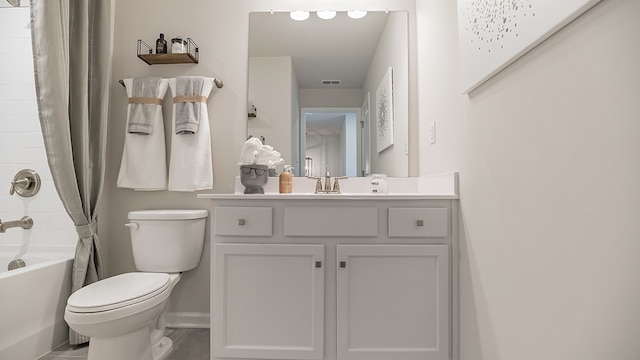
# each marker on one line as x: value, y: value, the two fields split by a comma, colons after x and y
x: 295, y: 125
x: 392, y: 51
x: 270, y: 91
x: 330, y: 97
x: 21, y: 144
x: 145, y: 19
x: 547, y: 152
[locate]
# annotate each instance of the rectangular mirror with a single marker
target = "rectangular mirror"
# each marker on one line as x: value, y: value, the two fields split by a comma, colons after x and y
x: 314, y: 91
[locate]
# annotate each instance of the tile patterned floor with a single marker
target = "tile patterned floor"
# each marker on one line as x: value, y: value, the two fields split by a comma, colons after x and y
x: 188, y: 344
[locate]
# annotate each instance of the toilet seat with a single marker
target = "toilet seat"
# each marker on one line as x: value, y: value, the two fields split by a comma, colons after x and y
x: 118, y: 291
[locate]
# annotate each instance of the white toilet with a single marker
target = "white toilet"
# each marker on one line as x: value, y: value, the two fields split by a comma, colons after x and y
x: 124, y: 315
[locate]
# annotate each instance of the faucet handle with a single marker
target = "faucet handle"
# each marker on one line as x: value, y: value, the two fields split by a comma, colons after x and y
x: 22, y: 183
x: 318, y: 183
x: 336, y: 183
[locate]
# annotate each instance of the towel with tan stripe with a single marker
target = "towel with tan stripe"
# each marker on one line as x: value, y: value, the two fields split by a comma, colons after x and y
x: 144, y: 103
x: 187, y: 100
x: 144, y: 159
x: 190, y: 162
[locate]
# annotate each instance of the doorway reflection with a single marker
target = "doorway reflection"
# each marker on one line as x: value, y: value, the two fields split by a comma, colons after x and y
x: 331, y: 141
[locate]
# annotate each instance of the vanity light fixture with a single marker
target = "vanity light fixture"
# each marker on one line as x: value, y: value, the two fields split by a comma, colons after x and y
x: 299, y: 15
x: 357, y: 14
x: 326, y: 14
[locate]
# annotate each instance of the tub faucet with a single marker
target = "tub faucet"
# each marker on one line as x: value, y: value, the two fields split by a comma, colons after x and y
x: 26, y: 223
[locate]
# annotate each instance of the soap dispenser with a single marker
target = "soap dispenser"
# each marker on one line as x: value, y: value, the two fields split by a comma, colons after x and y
x: 286, y: 180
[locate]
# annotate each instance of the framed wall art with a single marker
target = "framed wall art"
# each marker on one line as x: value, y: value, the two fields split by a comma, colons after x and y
x: 384, y: 111
x: 494, y: 33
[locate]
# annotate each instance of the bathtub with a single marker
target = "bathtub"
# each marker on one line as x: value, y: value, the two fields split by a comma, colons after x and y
x: 32, y: 302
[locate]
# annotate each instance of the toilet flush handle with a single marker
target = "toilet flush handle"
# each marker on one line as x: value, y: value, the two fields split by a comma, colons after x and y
x: 132, y: 225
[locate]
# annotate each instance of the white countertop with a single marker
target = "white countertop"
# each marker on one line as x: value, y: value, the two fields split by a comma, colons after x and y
x: 324, y: 196
x: 443, y: 186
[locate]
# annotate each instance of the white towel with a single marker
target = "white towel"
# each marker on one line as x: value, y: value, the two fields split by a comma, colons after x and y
x: 253, y: 152
x: 269, y: 156
x: 144, y: 161
x: 190, y: 165
x: 250, y: 151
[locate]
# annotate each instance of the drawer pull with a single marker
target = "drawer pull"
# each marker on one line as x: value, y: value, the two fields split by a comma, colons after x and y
x: 420, y: 223
x: 241, y: 222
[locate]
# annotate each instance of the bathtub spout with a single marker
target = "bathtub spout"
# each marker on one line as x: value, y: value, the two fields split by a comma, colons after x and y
x: 26, y: 223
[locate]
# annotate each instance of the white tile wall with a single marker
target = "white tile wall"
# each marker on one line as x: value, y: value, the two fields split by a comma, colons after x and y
x: 21, y: 144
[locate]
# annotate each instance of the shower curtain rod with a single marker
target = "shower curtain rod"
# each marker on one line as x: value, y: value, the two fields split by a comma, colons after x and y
x: 218, y: 82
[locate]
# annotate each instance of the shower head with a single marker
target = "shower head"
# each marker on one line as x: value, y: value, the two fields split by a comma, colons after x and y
x: 15, y: 3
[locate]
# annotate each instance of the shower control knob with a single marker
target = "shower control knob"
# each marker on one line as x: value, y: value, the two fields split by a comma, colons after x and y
x: 26, y: 183
x: 22, y: 183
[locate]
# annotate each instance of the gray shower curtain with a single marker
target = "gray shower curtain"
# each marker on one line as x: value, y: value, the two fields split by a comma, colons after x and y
x: 72, y: 51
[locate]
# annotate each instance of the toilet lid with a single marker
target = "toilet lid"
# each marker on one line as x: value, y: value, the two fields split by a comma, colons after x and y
x: 118, y: 291
x: 167, y: 214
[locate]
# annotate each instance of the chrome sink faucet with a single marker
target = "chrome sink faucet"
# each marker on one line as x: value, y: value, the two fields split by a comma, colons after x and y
x: 327, y: 184
x: 25, y: 222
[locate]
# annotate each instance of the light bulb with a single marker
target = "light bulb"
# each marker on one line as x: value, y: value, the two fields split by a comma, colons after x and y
x: 357, y: 14
x: 326, y: 14
x: 299, y: 15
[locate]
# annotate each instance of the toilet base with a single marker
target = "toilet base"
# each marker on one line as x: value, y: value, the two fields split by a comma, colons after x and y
x: 132, y: 346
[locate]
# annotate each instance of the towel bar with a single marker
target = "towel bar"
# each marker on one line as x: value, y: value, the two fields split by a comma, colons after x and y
x: 218, y: 82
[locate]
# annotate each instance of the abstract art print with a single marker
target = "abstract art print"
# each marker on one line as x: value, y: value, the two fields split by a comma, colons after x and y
x: 494, y: 33
x: 384, y: 112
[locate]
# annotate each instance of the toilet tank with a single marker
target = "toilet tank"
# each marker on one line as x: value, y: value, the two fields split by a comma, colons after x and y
x: 167, y: 240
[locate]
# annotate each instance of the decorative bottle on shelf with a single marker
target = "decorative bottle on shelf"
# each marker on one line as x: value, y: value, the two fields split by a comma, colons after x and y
x: 161, y: 45
x: 286, y: 180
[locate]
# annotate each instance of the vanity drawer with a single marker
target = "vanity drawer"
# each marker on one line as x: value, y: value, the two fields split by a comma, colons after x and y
x: 243, y: 221
x: 418, y: 222
x: 331, y: 221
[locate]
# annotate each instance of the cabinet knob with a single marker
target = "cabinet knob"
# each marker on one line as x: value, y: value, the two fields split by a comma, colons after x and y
x: 343, y: 264
x: 241, y: 222
x: 318, y: 264
x: 420, y: 223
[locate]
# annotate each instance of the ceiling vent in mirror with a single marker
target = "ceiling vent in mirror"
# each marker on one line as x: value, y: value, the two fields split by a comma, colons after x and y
x: 331, y: 82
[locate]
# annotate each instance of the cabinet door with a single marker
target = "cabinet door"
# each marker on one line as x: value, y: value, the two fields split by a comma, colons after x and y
x: 268, y: 301
x: 393, y: 302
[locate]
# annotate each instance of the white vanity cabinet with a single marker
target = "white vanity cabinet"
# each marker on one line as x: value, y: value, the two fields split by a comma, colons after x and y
x: 270, y: 302
x: 392, y: 302
x: 335, y: 278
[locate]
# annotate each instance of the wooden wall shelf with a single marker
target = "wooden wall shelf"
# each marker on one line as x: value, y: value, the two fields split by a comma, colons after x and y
x: 153, y: 59
x: 145, y: 53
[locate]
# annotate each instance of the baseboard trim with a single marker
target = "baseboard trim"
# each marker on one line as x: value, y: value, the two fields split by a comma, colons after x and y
x: 191, y: 320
